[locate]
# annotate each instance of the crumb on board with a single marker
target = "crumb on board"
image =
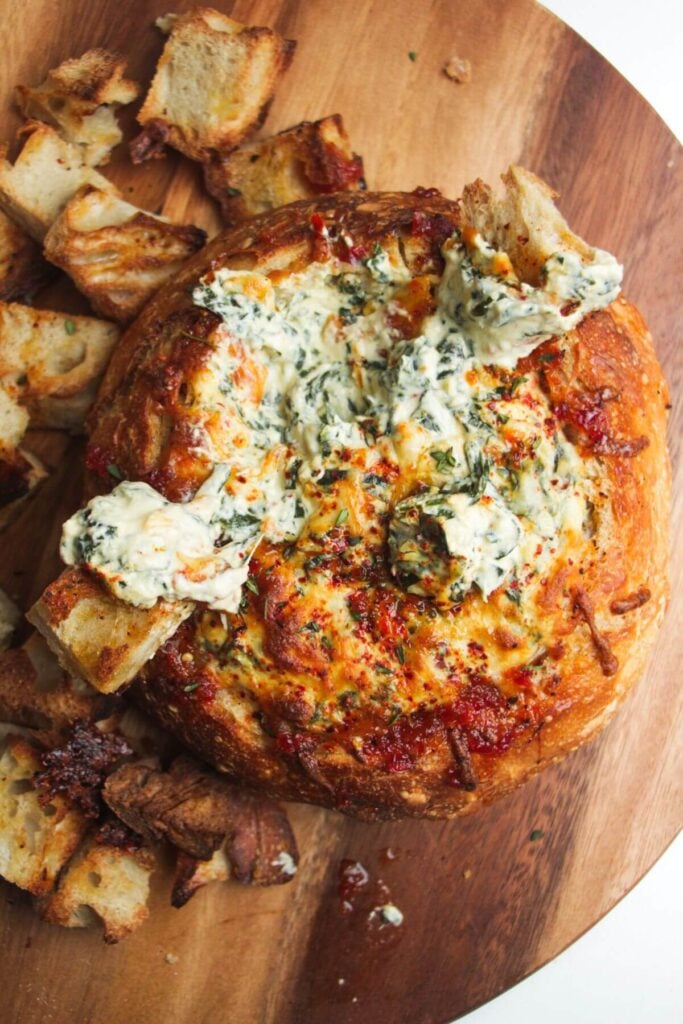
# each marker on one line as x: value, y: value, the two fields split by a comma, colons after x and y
x: 467, y: 873
x: 171, y: 958
x: 458, y: 69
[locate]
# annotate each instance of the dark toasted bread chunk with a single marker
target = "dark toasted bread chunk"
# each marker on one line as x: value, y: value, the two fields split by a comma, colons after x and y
x: 213, y: 85
x: 35, y: 692
x: 301, y: 162
x: 197, y: 810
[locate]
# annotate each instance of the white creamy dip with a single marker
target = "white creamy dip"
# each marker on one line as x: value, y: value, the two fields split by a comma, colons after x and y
x: 146, y: 548
x: 334, y: 374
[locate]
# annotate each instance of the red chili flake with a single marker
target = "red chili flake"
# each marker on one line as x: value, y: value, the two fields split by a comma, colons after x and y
x: 98, y: 459
x: 318, y: 223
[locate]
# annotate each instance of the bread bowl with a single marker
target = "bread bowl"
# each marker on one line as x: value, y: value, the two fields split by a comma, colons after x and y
x: 394, y: 652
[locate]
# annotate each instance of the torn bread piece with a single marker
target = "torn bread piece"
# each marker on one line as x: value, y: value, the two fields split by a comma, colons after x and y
x: 311, y: 158
x: 20, y: 471
x: 36, y: 839
x: 10, y: 616
x: 199, y: 812
x: 192, y: 874
x: 53, y: 362
x: 104, y: 882
x: 96, y: 637
x: 116, y: 254
x: 213, y: 85
x: 80, y: 98
x: 524, y: 222
x: 45, y: 175
x: 23, y: 270
x: 36, y: 693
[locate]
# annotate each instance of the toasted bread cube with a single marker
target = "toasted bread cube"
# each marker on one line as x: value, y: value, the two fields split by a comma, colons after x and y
x: 13, y: 417
x: 524, y: 223
x: 35, y: 841
x: 9, y: 620
x: 22, y: 267
x: 54, y: 361
x: 116, y: 254
x: 36, y: 693
x: 97, y: 638
x: 45, y: 175
x: 299, y: 163
x: 79, y: 98
x: 102, y: 882
x: 213, y: 85
x: 20, y: 471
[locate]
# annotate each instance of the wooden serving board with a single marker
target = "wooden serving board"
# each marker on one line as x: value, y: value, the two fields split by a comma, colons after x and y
x: 484, y: 906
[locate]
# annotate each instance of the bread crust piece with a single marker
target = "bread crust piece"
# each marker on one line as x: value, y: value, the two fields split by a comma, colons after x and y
x: 115, y: 253
x: 23, y: 270
x: 79, y: 98
x: 456, y: 751
x: 306, y: 160
x: 97, y: 638
x: 214, y: 83
x: 42, y: 179
x: 53, y: 362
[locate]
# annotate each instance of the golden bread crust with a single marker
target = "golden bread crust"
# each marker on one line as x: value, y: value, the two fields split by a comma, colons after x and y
x: 245, y: 697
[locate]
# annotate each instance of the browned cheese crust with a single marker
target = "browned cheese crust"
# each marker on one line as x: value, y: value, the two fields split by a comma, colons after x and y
x: 254, y: 697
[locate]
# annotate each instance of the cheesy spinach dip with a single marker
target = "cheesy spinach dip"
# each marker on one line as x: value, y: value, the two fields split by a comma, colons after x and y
x: 416, y: 373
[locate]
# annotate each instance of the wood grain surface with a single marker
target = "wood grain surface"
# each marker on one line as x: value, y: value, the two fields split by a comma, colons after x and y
x: 483, y: 904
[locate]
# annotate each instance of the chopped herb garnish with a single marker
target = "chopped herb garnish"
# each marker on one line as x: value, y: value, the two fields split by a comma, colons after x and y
x: 444, y: 459
x: 232, y: 192
x: 383, y: 669
x: 252, y: 585
x: 191, y: 687
x: 401, y: 654
x: 412, y: 55
x: 395, y: 713
x: 536, y: 834
x: 114, y: 471
x: 326, y: 642
x: 513, y: 595
x: 70, y: 327
x: 342, y: 517
x: 310, y: 627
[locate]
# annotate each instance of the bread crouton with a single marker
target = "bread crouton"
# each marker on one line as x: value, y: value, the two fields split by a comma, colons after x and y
x: 192, y: 874
x: 79, y: 98
x: 45, y: 175
x: 104, y: 882
x: 36, y: 693
x: 116, y: 254
x: 22, y: 267
x: 36, y: 840
x: 96, y: 637
x: 213, y: 85
x: 199, y: 812
x: 9, y: 620
x: 524, y: 223
x: 54, y: 362
x: 20, y: 471
x: 299, y: 163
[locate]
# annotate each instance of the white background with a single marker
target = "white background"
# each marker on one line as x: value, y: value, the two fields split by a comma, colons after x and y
x: 629, y: 968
